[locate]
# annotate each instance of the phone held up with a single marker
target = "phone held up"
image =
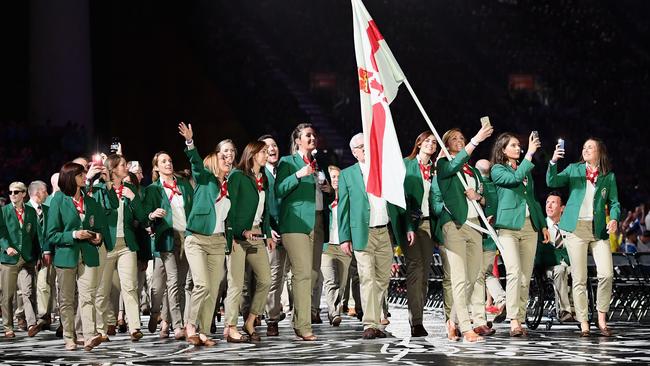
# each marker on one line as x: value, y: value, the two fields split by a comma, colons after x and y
x: 115, y: 145
x: 560, y: 142
x: 485, y: 121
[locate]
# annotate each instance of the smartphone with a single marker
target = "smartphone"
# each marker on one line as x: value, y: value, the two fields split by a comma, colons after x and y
x: 97, y: 160
x: 115, y: 145
x: 561, y: 143
x: 259, y: 236
x: 535, y: 135
x: 485, y: 121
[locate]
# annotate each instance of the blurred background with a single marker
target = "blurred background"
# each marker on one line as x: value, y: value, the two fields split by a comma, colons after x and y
x: 76, y: 73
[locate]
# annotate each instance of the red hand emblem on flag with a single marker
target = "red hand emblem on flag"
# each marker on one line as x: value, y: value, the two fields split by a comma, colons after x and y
x: 363, y: 80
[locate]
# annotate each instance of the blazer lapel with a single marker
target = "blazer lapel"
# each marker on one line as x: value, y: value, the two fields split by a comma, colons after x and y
x: 360, y: 181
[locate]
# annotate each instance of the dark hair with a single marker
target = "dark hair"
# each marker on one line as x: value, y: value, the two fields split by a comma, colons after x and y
x: 248, y: 155
x: 498, y: 156
x: 264, y: 137
x: 557, y: 194
x: 67, y: 178
x: 604, y: 166
x: 296, y: 134
x: 134, y: 180
x: 418, y: 141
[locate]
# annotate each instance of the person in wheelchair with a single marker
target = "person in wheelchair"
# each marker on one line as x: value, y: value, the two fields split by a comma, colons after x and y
x: 554, y: 259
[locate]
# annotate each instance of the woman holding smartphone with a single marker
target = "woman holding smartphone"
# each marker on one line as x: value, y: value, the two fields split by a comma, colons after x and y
x: 301, y: 222
x: 248, y: 189
x: 463, y: 243
x: 168, y: 200
x: 592, y: 189
x: 205, y: 246
x: 75, y: 225
x: 123, y: 248
x: 519, y: 219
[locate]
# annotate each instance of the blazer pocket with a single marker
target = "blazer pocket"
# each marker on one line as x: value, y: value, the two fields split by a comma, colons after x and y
x: 201, y: 210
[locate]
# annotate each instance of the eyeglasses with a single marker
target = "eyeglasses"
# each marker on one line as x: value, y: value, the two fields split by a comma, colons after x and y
x: 16, y: 192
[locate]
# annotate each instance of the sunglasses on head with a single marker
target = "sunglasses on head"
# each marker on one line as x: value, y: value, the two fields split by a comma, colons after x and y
x: 16, y: 192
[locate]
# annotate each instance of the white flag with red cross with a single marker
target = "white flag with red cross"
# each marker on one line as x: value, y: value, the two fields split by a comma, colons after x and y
x: 379, y: 79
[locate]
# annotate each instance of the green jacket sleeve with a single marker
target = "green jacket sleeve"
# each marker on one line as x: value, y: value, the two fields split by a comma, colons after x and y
x: 447, y: 168
x: 614, y: 205
x: 502, y: 176
x: 286, y: 180
x: 56, y: 233
x: 344, y: 210
x: 198, y: 170
x: 555, y: 180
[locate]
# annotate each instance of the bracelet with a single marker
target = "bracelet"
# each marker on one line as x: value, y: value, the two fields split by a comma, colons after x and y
x: 530, y: 156
x: 189, y: 142
x: 472, y: 141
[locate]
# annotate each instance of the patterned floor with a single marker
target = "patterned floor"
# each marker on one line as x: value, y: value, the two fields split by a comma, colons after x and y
x: 344, y: 346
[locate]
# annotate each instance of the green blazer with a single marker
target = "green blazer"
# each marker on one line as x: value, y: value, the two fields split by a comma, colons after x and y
x: 45, y: 246
x: 490, y: 209
x: 154, y: 198
x: 133, y: 211
x: 414, y: 191
x: 244, y: 197
x: 63, y: 219
x: 354, y: 210
x: 514, y: 195
x: 25, y: 239
x: 273, y: 202
x: 575, y: 177
x: 203, y: 216
x: 453, y: 193
x: 298, y: 196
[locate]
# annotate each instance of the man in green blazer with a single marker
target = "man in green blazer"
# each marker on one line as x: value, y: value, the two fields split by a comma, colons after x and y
x: 20, y: 250
x: 363, y: 228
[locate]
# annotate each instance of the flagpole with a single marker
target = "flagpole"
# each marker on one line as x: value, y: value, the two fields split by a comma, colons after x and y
x: 490, y: 229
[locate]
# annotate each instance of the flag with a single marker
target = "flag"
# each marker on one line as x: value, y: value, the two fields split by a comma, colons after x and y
x: 379, y: 79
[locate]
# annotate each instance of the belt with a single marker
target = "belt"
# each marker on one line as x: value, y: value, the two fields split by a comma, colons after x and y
x: 378, y: 226
x: 219, y: 234
x: 425, y: 218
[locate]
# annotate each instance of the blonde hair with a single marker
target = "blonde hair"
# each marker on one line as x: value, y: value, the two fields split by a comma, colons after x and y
x: 211, y: 163
x: 18, y: 185
x: 332, y: 168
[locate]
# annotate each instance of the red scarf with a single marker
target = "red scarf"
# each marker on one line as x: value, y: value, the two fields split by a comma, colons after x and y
x: 174, y: 188
x: 592, y: 174
x: 425, y: 169
x: 224, y: 190
x: 311, y: 162
x: 335, y: 203
x: 79, y: 205
x: 119, y: 190
x: 260, y: 183
x: 19, y: 214
x: 467, y: 170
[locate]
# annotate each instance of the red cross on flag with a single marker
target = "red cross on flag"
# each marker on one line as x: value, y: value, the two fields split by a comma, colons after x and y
x: 379, y: 79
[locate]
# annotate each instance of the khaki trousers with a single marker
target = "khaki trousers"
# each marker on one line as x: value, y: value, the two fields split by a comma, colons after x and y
x: 352, y: 287
x: 374, y: 264
x: 45, y: 290
x: 560, y: 275
x: 83, y: 279
x: 465, y: 256
x: 176, y: 267
x: 578, y: 243
x: 519, y: 247
x: 278, y: 265
x: 300, y: 252
x: 334, y: 266
x: 205, y: 255
x: 316, y: 275
x: 20, y: 275
x: 418, y: 265
x: 124, y: 263
x: 492, y: 283
x: 159, y: 301
x: 447, y: 293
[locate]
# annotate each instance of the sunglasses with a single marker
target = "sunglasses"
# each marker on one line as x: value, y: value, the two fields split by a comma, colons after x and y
x: 16, y: 192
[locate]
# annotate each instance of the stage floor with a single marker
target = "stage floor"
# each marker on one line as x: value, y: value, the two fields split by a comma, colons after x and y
x: 344, y: 346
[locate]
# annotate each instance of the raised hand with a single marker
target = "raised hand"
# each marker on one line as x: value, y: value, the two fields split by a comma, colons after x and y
x: 185, y: 131
x: 482, y: 134
x: 533, y: 144
x: 557, y: 154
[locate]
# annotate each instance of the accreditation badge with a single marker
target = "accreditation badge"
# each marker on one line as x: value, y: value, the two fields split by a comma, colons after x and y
x: 91, y: 220
x: 28, y: 227
x: 603, y: 193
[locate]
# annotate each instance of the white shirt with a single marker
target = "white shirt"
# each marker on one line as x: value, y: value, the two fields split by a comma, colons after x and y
x: 271, y: 169
x: 260, y: 209
x: 586, y: 212
x: 378, y: 210
x: 221, y: 208
x: 334, y: 226
x: 19, y: 223
x: 319, y: 194
x: 119, y: 231
x: 37, y: 207
x: 471, y: 183
x: 426, y: 184
x: 179, y: 221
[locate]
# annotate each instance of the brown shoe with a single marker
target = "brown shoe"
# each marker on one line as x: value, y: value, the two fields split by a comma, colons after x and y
x: 452, y: 331
x: 418, y: 331
x: 254, y: 337
x: 471, y: 337
x: 379, y: 334
x: 153, y: 322
x: 585, y: 333
x: 179, y: 334
x: 22, y: 324
x: 484, y: 330
x: 369, y: 333
x: 336, y: 321
x: 242, y: 339
x: 111, y: 330
x: 517, y: 332
x: 209, y: 342
x: 33, y: 330
x: 315, y: 318
x: 272, y: 330
x: 92, y: 343
x: 105, y: 338
x: 305, y: 337
x: 70, y: 346
x: 195, y: 340
x: 10, y: 334
x: 136, y: 336
x: 606, y: 331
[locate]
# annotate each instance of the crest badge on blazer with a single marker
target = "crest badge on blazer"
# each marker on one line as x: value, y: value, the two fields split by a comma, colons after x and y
x: 91, y: 220
x: 28, y: 227
x: 603, y: 193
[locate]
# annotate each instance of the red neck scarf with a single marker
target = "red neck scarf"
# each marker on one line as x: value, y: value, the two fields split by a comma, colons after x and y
x: 224, y: 190
x: 311, y: 162
x: 79, y: 205
x: 592, y: 174
x: 119, y: 189
x: 174, y: 188
x: 425, y: 169
x: 467, y: 170
x: 335, y: 203
x: 259, y: 182
x: 19, y: 213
